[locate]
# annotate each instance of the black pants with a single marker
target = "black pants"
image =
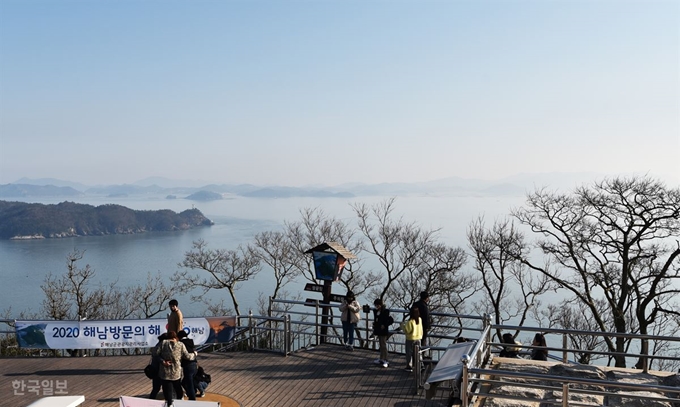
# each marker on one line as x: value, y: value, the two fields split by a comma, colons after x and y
x: 189, y: 370
x: 156, y: 384
x: 423, y: 341
x: 168, y: 387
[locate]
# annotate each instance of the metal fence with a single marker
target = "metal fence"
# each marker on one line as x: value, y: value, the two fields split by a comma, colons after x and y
x: 569, y: 393
x: 296, y: 326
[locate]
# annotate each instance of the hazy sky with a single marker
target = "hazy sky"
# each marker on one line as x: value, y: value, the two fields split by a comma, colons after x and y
x: 326, y: 92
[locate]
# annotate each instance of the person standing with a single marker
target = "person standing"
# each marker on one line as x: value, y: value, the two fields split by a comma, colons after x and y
x: 424, y: 311
x: 189, y: 366
x: 171, y: 352
x: 175, y: 318
x: 413, y: 330
x: 381, y: 329
x: 156, y: 363
x: 350, y: 318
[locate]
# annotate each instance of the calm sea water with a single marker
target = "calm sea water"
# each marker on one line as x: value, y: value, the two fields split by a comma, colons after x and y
x: 126, y: 259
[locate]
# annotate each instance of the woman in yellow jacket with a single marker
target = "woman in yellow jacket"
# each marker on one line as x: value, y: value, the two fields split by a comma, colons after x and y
x: 413, y: 329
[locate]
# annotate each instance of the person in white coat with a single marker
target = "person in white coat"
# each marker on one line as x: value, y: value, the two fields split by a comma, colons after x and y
x: 350, y: 317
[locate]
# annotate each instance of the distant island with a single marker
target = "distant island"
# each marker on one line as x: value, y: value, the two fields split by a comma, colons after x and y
x: 204, y: 196
x: 19, y: 220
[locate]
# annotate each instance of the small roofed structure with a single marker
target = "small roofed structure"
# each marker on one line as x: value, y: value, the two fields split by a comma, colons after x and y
x: 335, y: 247
x: 329, y: 260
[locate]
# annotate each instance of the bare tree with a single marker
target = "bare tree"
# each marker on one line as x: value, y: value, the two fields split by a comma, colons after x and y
x: 413, y: 260
x: 148, y: 300
x: 496, y: 253
x: 71, y: 295
x: 618, y: 240
x: 75, y: 295
x: 315, y: 227
x: 225, y: 269
x: 274, y: 249
x: 572, y: 315
x: 395, y: 243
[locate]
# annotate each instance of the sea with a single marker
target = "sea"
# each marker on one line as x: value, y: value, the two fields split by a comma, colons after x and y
x: 126, y: 259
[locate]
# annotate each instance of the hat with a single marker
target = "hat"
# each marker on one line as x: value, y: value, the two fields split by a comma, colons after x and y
x: 182, y: 334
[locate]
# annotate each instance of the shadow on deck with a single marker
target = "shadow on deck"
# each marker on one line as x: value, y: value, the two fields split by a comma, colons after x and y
x: 327, y: 375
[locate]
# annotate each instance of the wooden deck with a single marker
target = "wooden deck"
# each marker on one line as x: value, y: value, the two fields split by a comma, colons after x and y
x: 324, y: 376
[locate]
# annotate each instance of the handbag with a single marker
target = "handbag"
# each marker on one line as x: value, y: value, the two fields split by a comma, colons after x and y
x: 151, y: 370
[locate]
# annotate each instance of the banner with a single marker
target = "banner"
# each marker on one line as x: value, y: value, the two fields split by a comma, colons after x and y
x: 126, y: 333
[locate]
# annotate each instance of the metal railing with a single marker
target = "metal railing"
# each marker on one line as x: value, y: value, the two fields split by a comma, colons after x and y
x: 564, y: 351
x: 297, y: 326
x: 567, y: 389
x: 307, y: 331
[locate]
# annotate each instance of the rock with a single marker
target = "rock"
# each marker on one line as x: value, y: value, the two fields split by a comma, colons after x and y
x: 524, y: 368
x: 583, y: 399
x: 631, y: 399
x: 580, y: 371
x: 672, y: 381
x: 540, y: 397
x: 514, y: 391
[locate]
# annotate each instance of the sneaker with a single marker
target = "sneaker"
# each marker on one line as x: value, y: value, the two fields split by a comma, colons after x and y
x: 202, y: 395
x: 408, y: 368
x: 385, y: 363
x: 378, y: 362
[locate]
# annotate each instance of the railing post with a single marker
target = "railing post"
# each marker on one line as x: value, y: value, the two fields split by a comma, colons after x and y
x: 368, y: 333
x: 271, y: 335
x: 565, y: 395
x: 565, y: 355
x: 316, y: 325
x: 251, y: 329
x: 464, y: 396
x: 487, y: 324
x: 416, y: 365
x: 286, y: 335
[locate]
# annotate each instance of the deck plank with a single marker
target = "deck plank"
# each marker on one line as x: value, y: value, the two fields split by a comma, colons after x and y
x: 327, y: 375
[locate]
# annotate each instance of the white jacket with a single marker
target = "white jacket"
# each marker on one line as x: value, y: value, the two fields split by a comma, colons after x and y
x: 350, y: 311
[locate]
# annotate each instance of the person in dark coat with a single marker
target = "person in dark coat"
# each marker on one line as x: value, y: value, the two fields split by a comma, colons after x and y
x: 189, y: 367
x: 424, y: 311
x: 156, y: 363
x: 539, y: 353
x: 201, y: 381
x: 381, y: 329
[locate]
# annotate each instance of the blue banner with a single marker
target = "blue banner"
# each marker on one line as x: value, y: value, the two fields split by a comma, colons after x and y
x: 126, y: 333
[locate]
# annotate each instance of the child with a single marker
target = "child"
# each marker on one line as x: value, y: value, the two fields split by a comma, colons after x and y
x: 201, y: 381
x: 413, y: 329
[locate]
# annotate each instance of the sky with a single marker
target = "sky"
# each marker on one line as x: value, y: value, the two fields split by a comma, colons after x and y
x: 325, y: 92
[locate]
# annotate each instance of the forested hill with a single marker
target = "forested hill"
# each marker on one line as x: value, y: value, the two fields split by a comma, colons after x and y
x: 21, y: 220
